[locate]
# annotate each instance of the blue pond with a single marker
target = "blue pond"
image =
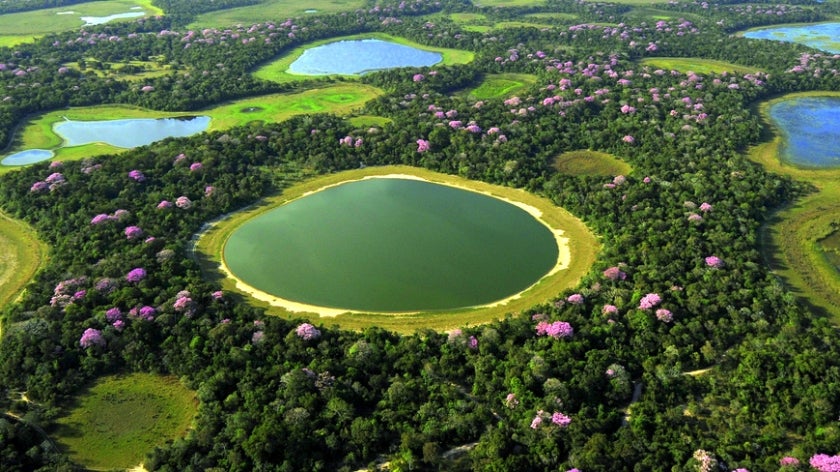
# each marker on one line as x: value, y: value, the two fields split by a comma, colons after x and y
x: 129, y: 133
x: 823, y: 36
x: 811, y: 130
x: 29, y: 156
x: 101, y: 20
x: 360, y: 56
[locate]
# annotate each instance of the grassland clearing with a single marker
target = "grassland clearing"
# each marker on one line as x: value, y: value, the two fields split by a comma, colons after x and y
x: 118, y: 419
x: 340, y: 99
x: 272, y: 10
x: 586, y: 162
x: 276, y: 70
x: 23, y: 27
x: 582, y: 246
x: 797, y: 242
x: 21, y: 255
x: 501, y: 85
x: 699, y: 66
x: 126, y: 70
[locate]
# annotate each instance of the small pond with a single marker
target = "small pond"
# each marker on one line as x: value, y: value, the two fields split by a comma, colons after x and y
x: 360, y: 56
x: 129, y: 133
x: 823, y: 36
x: 30, y: 156
x: 101, y: 20
x: 811, y: 130
x: 392, y: 245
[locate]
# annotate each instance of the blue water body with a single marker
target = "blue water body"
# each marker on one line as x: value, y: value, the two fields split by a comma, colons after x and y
x: 129, y: 133
x: 822, y: 36
x: 101, y: 20
x: 811, y: 130
x: 360, y: 56
x: 29, y: 156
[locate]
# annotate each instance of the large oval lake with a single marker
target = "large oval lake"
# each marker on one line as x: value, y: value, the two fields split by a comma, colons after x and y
x: 129, y: 133
x: 823, y: 36
x: 360, y: 56
x: 392, y: 245
x: 811, y: 130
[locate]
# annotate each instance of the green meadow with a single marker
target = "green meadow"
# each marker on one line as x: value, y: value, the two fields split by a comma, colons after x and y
x: 590, y: 163
x: 583, y: 247
x: 17, y: 28
x: 21, y: 254
x: 801, y: 242
x: 276, y: 71
x: 273, y: 10
x: 501, y: 85
x: 127, y: 70
x: 117, y: 420
x: 340, y: 99
x: 699, y: 66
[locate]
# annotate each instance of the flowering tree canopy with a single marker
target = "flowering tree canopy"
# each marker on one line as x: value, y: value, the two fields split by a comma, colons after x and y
x: 136, y: 275
x: 92, y: 337
x: 307, y: 332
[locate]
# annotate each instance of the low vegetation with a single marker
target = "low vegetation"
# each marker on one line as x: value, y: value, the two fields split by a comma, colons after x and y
x: 117, y: 420
x: 590, y: 163
x: 501, y: 85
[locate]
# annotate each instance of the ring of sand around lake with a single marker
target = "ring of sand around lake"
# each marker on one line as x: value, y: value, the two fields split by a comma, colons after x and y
x: 558, y: 275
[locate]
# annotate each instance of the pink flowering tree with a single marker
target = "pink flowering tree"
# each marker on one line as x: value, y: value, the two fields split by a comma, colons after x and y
x: 423, y: 145
x: 825, y: 463
x: 307, y: 332
x: 136, y: 275
x: 133, y: 232
x: 714, y: 262
x: 650, y: 301
x: 557, y: 329
x: 91, y: 337
x: 614, y: 273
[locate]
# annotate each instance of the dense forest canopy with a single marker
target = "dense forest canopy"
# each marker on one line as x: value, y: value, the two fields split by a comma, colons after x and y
x: 679, y: 286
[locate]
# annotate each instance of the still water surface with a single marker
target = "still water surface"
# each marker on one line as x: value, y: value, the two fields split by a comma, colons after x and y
x: 360, y: 56
x: 392, y: 245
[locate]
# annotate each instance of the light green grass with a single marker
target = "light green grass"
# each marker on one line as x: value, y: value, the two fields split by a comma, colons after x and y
x: 273, y: 10
x: 552, y: 16
x: 367, y: 121
x: 118, y: 419
x: 582, y: 244
x: 501, y: 85
x: 127, y: 70
x: 791, y: 240
x: 21, y: 255
x: 508, y: 3
x: 23, y: 27
x: 590, y: 163
x: 340, y: 99
x: 699, y: 66
x: 276, y: 71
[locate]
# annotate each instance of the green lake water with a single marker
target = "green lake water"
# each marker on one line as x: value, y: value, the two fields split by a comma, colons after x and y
x: 392, y: 245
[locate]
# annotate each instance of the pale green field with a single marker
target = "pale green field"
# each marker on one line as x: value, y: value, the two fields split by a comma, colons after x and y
x: 582, y: 244
x: 508, y: 3
x: 275, y: 71
x: 128, y: 70
x: 590, y: 163
x: 480, y: 23
x: 117, y: 420
x: 273, y: 10
x: 17, y: 28
x: 501, y: 85
x: 791, y: 241
x: 700, y: 66
x: 340, y: 99
x: 21, y: 255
